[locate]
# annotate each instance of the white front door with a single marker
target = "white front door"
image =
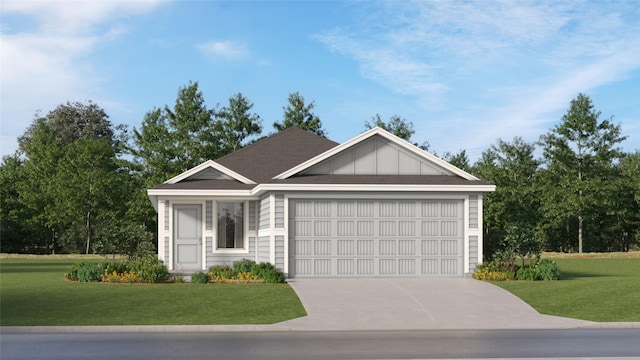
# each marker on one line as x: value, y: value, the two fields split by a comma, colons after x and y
x: 187, y: 237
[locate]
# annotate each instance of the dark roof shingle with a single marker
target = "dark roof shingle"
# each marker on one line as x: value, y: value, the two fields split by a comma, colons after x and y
x: 275, y: 154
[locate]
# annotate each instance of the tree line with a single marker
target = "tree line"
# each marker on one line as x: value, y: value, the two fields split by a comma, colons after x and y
x: 78, y: 183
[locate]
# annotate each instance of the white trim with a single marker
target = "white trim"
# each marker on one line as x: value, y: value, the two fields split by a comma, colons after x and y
x: 209, y: 164
x: 272, y: 225
x: 262, y: 188
x: 203, y: 227
x: 286, y: 234
x: 366, y: 135
x: 200, y: 193
x: 245, y: 227
x: 466, y: 234
x: 480, y: 231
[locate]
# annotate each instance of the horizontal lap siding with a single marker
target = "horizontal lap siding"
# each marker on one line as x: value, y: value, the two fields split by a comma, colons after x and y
x: 214, y: 259
x: 376, y: 238
x: 263, y: 249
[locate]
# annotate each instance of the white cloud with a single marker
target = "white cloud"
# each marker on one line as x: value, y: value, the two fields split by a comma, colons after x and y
x: 227, y: 50
x: 44, y: 45
x: 509, y: 67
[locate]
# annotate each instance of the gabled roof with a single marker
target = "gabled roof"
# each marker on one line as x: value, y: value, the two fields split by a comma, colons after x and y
x: 279, y: 152
x: 209, y: 164
x: 295, y: 160
x: 361, y: 138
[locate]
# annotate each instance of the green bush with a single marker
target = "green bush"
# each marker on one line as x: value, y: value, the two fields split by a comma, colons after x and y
x: 243, y: 266
x: 221, y: 272
x: 267, y: 273
x: 72, y: 272
x: 111, y: 266
x: 527, y: 273
x: 199, y: 278
x: 89, y: 273
x: 547, y: 270
x: 150, y: 269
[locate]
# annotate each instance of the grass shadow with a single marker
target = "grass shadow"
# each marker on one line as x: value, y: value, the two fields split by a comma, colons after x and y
x: 575, y: 275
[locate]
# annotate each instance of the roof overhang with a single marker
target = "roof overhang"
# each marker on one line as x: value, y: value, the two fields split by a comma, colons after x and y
x: 154, y: 194
x: 209, y: 164
x: 366, y: 135
x: 264, y: 188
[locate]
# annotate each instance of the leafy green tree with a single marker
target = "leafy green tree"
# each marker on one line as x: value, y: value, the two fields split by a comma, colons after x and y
x: 512, y: 167
x: 88, y: 189
x: 15, y: 234
x: 299, y: 114
x: 397, y: 126
x: 459, y: 160
x: 171, y: 141
x: 579, y: 154
x: 71, y: 175
x: 234, y: 124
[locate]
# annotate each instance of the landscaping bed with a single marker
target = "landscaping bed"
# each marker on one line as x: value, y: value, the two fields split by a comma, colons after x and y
x: 34, y: 292
x: 596, y: 287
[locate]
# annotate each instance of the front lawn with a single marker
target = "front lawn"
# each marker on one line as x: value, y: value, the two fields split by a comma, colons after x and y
x: 600, y: 288
x: 33, y: 291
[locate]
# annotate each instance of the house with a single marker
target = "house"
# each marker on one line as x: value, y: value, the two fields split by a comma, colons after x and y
x: 374, y: 206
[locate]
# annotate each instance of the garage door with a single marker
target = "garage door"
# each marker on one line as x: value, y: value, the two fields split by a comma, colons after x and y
x: 377, y: 238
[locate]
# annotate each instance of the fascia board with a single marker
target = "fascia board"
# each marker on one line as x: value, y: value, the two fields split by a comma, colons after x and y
x: 385, y: 134
x: 201, y: 193
x: 262, y: 188
x: 211, y: 164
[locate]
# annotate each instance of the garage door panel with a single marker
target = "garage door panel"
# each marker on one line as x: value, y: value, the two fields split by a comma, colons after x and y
x: 395, y: 240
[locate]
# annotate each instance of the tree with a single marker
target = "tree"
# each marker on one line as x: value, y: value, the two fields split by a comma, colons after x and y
x: 459, y: 160
x: 71, y: 180
x: 512, y: 167
x: 234, y: 124
x: 171, y: 141
x: 192, y: 126
x: 297, y: 114
x: 14, y: 231
x: 397, y: 126
x: 579, y: 155
x: 71, y: 121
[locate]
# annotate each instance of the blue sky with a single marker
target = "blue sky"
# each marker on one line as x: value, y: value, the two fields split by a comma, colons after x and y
x: 465, y: 73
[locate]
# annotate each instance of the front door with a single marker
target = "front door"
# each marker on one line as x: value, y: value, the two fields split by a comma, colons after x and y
x: 187, y: 235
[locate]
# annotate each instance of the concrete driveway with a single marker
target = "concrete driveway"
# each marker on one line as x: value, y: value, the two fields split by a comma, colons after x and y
x: 414, y: 304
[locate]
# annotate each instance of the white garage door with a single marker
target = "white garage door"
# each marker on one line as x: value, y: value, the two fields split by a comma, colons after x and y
x: 377, y: 238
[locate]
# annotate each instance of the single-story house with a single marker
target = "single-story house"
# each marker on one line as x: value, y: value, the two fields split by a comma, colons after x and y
x: 374, y: 206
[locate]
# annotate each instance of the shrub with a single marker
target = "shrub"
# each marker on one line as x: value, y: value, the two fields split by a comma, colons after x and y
x: 495, y: 271
x: 150, y: 269
x: 89, y: 273
x: 129, y: 277
x: 267, y: 273
x: 243, y: 266
x: 547, y: 270
x: 72, y: 272
x: 220, y: 273
x: 111, y: 266
x: 527, y: 273
x: 199, y: 278
x: 246, y: 277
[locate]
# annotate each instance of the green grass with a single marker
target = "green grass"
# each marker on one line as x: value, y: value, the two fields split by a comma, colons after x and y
x: 33, y: 292
x: 591, y: 288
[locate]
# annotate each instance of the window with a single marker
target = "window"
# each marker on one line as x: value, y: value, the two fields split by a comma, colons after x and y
x: 230, y: 225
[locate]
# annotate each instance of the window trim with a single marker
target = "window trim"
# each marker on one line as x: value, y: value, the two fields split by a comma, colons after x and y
x: 245, y: 229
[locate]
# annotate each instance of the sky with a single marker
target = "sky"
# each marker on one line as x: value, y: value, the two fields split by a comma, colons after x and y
x: 465, y: 73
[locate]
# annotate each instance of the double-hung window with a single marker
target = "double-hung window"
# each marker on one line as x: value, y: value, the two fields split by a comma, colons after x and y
x: 231, y: 225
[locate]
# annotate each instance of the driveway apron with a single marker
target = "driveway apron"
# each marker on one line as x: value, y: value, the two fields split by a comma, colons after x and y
x: 414, y: 304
